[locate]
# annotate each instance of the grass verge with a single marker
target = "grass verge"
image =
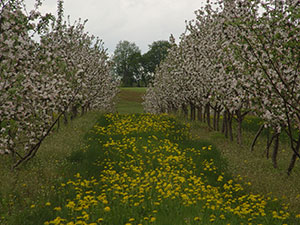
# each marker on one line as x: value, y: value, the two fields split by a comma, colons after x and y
x: 35, y: 181
x: 254, y: 166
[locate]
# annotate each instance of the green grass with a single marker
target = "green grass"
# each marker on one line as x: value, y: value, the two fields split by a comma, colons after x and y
x: 254, y: 166
x: 25, y: 194
x: 35, y: 181
x: 129, y: 107
x: 145, y: 169
x: 136, y: 89
x: 129, y: 100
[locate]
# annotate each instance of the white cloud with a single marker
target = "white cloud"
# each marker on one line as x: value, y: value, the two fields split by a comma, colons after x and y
x: 139, y: 21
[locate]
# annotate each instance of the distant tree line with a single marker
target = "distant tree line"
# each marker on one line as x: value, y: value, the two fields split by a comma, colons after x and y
x: 135, y: 68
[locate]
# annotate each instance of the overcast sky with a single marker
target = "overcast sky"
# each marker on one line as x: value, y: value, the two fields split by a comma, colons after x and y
x: 139, y: 21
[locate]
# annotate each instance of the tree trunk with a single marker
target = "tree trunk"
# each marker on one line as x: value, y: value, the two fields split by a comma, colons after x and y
x: 193, y: 112
x: 215, y: 119
x: 275, y: 151
x: 58, y: 124
x: 225, y: 124
x: 208, y: 115
x: 74, y: 112
x: 239, y: 127
x: 292, y: 164
x: 185, y: 111
x: 229, y: 126
x: 218, y: 120
x: 83, y: 110
x: 200, y: 118
x: 269, y: 143
x: 65, y: 118
x: 294, y: 157
x: 256, y: 137
x: 204, y: 114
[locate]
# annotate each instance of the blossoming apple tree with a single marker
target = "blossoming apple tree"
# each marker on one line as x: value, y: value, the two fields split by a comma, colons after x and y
x: 40, y: 82
x: 239, y: 57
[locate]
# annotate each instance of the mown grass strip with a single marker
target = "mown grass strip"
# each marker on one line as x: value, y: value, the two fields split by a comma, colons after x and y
x: 146, y: 169
x: 129, y: 100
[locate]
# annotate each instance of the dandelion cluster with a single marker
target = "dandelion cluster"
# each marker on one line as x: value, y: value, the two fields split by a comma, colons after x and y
x: 147, y: 176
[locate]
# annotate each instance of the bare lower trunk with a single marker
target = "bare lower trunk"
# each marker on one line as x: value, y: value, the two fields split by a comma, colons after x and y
x: 204, y: 114
x: 225, y: 124
x: 239, y: 127
x: 218, y: 120
x: 230, y: 117
x: 193, y: 112
x: 292, y: 164
x: 200, y: 118
x: 269, y: 143
x: 256, y: 137
x: 215, y: 119
x: 208, y: 115
x: 294, y: 157
x: 275, y: 151
x: 239, y: 132
x: 83, y: 110
x: 58, y: 124
x: 74, y: 112
x: 185, y: 111
x: 65, y: 118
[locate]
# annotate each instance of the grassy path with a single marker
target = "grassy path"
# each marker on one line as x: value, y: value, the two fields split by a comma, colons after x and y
x: 131, y: 169
x: 130, y: 100
x: 146, y: 169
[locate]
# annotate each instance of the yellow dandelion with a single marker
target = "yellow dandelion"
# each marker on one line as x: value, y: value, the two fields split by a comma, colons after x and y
x: 152, y: 219
x: 222, y: 217
x: 107, y: 209
x: 196, y: 218
x: 220, y: 178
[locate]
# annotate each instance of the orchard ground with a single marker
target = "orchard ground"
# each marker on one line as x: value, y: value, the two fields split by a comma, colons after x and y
x: 47, y: 188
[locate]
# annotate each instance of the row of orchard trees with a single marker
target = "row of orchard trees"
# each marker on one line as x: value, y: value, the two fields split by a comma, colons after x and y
x: 67, y: 72
x: 238, y: 56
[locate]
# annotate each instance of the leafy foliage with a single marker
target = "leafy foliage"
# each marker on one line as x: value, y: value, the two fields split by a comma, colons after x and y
x: 126, y: 59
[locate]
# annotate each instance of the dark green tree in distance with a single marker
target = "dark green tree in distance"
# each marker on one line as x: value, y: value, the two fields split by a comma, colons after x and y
x: 127, y: 62
x: 158, y: 51
x: 135, y: 69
